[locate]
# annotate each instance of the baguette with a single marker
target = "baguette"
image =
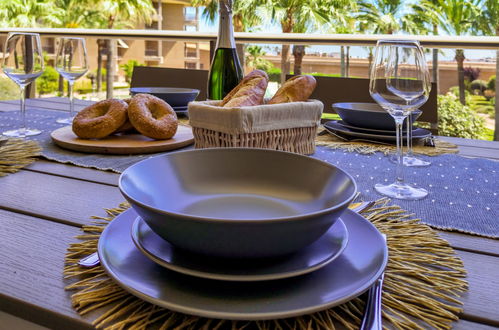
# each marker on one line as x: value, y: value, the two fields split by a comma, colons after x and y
x: 295, y: 89
x: 250, y: 91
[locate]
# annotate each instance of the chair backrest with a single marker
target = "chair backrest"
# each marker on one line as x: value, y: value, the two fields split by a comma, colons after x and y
x: 331, y: 90
x: 149, y: 76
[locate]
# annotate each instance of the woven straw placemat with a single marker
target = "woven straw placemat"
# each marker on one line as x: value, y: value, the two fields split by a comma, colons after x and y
x: 364, y: 147
x: 423, y: 280
x: 16, y: 154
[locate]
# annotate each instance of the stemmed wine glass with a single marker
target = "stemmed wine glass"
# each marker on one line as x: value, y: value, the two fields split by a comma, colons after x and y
x: 399, y: 83
x: 71, y: 63
x: 23, y: 63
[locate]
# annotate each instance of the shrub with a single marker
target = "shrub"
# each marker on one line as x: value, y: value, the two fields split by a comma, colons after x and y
x: 471, y: 73
x: 48, y: 82
x: 492, y: 83
x: 478, y: 85
x: 454, y: 90
x: 274, y: 74
x: 8, y: 89
x: 489, y: 94
x: 128, y: 69
x: 455, y: 119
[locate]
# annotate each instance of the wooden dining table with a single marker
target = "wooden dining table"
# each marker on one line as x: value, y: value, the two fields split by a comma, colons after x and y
x: 43, y: 206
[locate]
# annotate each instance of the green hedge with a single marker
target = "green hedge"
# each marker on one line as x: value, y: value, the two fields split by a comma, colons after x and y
x: 455, y: 119
x: 8, y: 89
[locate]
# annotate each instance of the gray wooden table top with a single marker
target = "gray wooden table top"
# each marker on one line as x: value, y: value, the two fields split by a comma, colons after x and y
x: 43, y: 206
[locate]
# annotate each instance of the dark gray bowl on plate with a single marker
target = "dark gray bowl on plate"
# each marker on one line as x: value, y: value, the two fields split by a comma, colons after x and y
x: 368, y: 115
x: 175, y: 97
x: 237, y: 202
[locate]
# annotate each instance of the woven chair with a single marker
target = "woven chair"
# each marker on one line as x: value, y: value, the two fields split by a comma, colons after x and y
x: 148, y: 76
x: 336, y: 89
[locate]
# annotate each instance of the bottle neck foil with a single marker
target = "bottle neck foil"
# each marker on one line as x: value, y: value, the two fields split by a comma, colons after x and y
x: 225, y: 28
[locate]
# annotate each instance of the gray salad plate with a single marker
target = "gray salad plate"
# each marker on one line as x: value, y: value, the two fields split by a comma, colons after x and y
x: 353, y: 272
x: 335, y: 127
x: 370, y: 130
x: 309, y: 259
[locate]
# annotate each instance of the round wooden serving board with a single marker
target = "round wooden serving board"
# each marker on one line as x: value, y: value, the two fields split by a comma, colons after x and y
x: 126, y: 144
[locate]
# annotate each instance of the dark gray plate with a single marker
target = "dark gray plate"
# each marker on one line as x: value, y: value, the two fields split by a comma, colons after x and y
x: 370, y: 130
x: 307, y: 260
x: 368, y: 115
x: 333, y: 126
x: 352, y: 273
x: 175, y: 97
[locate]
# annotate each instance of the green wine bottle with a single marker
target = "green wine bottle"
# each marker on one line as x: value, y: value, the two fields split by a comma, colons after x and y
x: 226, y: 71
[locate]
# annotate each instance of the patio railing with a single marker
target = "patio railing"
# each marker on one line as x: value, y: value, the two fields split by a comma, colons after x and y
x: 465, y: 42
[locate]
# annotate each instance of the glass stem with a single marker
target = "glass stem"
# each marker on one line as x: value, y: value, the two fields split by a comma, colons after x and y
x: 400, y: 156
x: 23, y: 110
x: 409, y: 136
x: 71, y: 100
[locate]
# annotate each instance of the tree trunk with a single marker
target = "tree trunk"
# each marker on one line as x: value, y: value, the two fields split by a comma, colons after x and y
x: 287, y: 27
x: 370, y: 59
x: 298, y: 53
x: 240, y: 48
x: 347, y: 66
x: 435, y: 62
x: 99, y: 67
x: 285, y: 65
x: 496, y: 126
x: 61, y: 85
x: 460, y: 74
x: 342, y: 60
x: 110, y: 67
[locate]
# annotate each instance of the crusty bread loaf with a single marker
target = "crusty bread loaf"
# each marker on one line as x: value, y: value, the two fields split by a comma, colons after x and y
x: 295, y: 89
x: 250, y: 91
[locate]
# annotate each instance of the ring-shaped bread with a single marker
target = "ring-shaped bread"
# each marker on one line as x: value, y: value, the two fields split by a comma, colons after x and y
x: 152, y: 117
x: 100, y: 119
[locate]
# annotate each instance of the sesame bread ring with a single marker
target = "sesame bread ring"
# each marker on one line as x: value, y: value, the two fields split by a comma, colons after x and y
x: 152, y: 117
x: 127, y: 127
x: 100, y: 119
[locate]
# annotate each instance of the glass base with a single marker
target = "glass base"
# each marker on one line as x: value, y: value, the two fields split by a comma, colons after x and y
x: 410, y: 161
x: 401, y: 191
x: 22, y: 132
x: 67, y: 120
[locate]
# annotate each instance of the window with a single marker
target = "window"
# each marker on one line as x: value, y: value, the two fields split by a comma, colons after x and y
x: 189, y: 13
x: 190, y: 65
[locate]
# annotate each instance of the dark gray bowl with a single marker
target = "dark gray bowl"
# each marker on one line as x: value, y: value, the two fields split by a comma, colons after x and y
x: 368, y: 115
x: 237, y: 202
x: 175, y: 97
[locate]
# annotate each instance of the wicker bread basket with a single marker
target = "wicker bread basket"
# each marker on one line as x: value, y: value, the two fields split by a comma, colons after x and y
x: 287, y: 126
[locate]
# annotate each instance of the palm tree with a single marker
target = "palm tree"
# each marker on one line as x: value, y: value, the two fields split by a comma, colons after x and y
x: 425, y: 18
x: 383, y: 17
x: 244, y: 16
x: 29, y: 13
x: 254, y: 58
x: 488, y: 24
x: 300, y: 16
x: 120, y: 13
x: 458, y: 17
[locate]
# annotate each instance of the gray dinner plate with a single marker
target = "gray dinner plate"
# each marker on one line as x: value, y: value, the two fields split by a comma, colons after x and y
x: 313, y: 257
x: 370, y: 130
x: 352, y: 273
x: 335, y: 127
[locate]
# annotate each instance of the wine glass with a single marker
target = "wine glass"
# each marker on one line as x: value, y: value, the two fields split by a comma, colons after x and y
x: 399, y: 84
x: 71, y: 63
x: 23, y: 63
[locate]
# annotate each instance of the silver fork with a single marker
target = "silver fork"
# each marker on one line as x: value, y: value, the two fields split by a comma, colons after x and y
x: 372, y: 319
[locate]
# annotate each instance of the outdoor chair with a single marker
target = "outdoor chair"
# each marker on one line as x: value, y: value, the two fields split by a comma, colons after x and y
x: 149, y: 76
x: 337, y: 89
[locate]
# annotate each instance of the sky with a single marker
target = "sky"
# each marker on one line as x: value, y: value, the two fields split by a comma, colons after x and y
x: 355, y: 51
